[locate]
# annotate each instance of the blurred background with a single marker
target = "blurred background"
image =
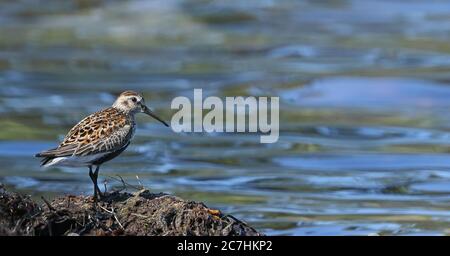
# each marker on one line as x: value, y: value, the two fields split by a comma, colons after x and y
x: 364, y: 89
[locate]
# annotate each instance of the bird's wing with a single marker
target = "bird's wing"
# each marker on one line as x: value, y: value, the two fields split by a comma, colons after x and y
x: 101, y: 132
x: 58, y: 152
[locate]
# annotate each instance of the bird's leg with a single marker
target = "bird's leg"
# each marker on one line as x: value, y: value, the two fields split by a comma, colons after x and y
x: 94, y: 180
x: 97, y: 189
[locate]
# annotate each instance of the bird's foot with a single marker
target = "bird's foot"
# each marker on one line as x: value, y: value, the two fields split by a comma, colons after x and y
x: 101, y: 195
x: 96, y: 198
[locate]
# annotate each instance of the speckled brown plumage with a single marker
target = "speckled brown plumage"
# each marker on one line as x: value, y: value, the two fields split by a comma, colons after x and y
x: 101, y: 132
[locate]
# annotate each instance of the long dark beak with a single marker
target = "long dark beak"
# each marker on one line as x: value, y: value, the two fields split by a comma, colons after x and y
x: 147, y: 111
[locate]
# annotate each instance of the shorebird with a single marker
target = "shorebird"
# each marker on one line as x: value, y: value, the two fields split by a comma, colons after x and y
x: 99, y: 137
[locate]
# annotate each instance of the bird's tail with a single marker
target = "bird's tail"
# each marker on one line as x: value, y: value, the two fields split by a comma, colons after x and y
x: 45, y: 159
x: 56, y: 154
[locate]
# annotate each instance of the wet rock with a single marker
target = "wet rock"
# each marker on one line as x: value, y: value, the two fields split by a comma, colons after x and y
x: 141, y: 213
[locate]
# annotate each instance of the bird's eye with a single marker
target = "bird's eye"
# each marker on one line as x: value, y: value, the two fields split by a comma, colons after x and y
x: 134, y: 99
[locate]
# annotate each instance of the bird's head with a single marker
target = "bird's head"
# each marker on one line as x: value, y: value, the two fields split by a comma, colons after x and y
x: 132, y: 102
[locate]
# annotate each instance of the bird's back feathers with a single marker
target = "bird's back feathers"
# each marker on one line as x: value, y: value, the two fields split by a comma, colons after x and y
x: 96, y: 135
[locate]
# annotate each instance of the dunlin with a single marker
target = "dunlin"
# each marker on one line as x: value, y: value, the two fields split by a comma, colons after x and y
x: 99, y: 137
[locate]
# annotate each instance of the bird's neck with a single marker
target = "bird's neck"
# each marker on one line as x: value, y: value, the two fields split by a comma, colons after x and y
x: 126, y: 111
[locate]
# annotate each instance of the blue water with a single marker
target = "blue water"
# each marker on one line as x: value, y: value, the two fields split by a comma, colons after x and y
x: 363, y: 87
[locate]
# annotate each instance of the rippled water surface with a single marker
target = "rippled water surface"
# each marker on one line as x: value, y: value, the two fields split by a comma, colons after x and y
x: 364, y: 89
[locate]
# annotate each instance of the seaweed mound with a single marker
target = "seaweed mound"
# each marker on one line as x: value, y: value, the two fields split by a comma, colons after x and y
x: 141, y: 213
